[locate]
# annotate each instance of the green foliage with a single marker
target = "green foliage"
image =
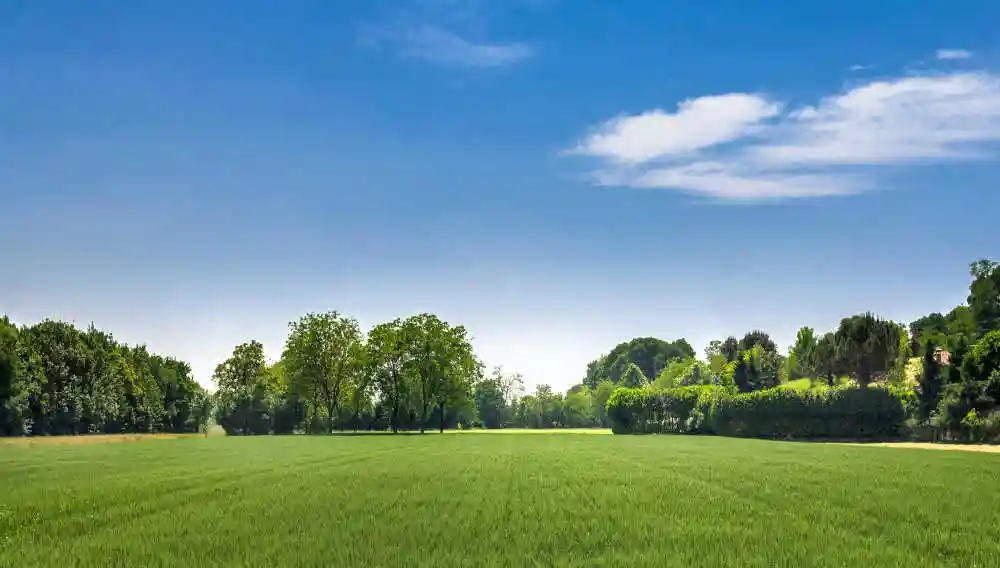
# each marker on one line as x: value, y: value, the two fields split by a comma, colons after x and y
x: 802, y: 360
x: 323, y: 355
x: 670, y: 376
x: 731, y: 350
x: 651, y: 355
x: 869, y: 347
x: 242, y: 400
x: 825, y: 360
x: 654, y: 411
x: 633, y: 377
x: 853, y: 412
x: 442, y: 362
x: 773, y: 413
x: 57, y: 379
x: 931, y: 382
x: 931, y: 329
x: 984, y: 358
x: 758, y: 338
x: 984, y: 295
x: 599, y: 402
x: 759, y: 369
x: 497, y: 397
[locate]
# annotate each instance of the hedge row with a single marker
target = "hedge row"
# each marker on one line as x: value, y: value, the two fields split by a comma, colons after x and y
x: 851, y: 412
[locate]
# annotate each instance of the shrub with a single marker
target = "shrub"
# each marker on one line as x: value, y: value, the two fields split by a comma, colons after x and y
x: 650, y: 411
x: 848, y: 412
x: 851, y: 412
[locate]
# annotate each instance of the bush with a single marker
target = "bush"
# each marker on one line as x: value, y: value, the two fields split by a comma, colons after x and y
x: 834, y: 413
x: 851, y: 412
x: 650, y: 411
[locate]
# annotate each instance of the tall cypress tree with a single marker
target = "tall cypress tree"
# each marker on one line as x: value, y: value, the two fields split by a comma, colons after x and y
x: 929, y: 383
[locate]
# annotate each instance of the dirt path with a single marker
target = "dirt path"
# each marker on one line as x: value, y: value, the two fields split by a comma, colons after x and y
x: 995, y: 449
x: 91, y: 439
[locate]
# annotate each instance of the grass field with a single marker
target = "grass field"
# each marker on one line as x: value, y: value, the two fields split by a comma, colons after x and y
x: 495, y: 500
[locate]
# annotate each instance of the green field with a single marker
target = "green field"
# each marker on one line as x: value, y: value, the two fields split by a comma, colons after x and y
x: 495, y: 500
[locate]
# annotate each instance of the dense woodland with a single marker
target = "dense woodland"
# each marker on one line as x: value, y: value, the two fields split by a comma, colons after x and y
x: 938, y: 377
x: 57, y: 379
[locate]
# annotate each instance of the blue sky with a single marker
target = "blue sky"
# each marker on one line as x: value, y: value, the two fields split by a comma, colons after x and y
x: 558, y: 176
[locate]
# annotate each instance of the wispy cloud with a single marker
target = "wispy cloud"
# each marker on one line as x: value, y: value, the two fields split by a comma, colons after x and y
x: 953, y: 54
x: 441, y: 46
x: 859, y: 67
x: 448, y: 33
x: 743, y: 146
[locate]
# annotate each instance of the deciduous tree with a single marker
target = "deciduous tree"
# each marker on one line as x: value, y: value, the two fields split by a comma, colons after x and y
x: 323, y: 353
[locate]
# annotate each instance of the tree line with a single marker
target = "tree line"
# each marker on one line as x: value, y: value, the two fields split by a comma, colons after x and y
x: 416, y: 373
x: 420, y: 372
x: 57, y: 379
x: 942, y: 371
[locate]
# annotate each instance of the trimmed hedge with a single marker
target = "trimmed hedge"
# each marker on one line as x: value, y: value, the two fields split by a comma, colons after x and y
x: 648, y: 411
x: 851, y: 412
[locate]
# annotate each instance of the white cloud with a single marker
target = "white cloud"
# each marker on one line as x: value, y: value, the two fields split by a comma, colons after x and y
x: 892, y: 122
x: 698, y: 123
x: 953, y: 54
x: 859, y: 67
x: 743, y: 146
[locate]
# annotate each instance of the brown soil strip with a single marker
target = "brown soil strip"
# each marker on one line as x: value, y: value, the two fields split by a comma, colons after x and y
x: 932, y: 446
x: 92, y: 439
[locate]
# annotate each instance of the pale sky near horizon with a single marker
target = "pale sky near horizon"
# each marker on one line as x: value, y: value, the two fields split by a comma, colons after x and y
x: 556, y: 176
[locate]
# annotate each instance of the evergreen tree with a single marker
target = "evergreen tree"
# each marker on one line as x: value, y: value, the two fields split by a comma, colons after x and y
x: 929, y: 384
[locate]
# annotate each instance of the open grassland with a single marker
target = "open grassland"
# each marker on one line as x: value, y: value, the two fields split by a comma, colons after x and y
x: 508, y: 500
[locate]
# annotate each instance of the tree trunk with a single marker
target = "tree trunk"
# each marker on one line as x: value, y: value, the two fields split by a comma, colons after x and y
x: 393, y: 419
x: 423, y: 418
x: 441, y: 406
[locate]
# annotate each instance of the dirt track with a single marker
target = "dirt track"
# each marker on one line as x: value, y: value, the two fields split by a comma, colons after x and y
x: 92, y: 439
x: 930, y: 446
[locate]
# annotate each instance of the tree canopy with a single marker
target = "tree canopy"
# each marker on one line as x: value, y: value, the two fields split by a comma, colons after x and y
x: 58, y: 379
x: 649, y: 354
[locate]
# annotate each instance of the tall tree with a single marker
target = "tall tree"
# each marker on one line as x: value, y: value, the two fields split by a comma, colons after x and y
x: 826, y: 360
x: 932, y: 329
x: 323, y: 353
x: 650, y: 354
x: 461, y: 370
x: 599, y: 400
x: 13, y: 395
x: 241, y: 398
x: 984, y: 295
x: 388, y: 357
x: 983, y: 359
x: 929, y: 384
x: 741, y: 377
x: 755, y: 338
x: 868, y: 346
x: 804, y: 351
x: 57, y: 379
x: 595, y: 372
x: 762, y: 369
x: 496, y: 397
x: 441, y: 360
x: 730, y: 348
